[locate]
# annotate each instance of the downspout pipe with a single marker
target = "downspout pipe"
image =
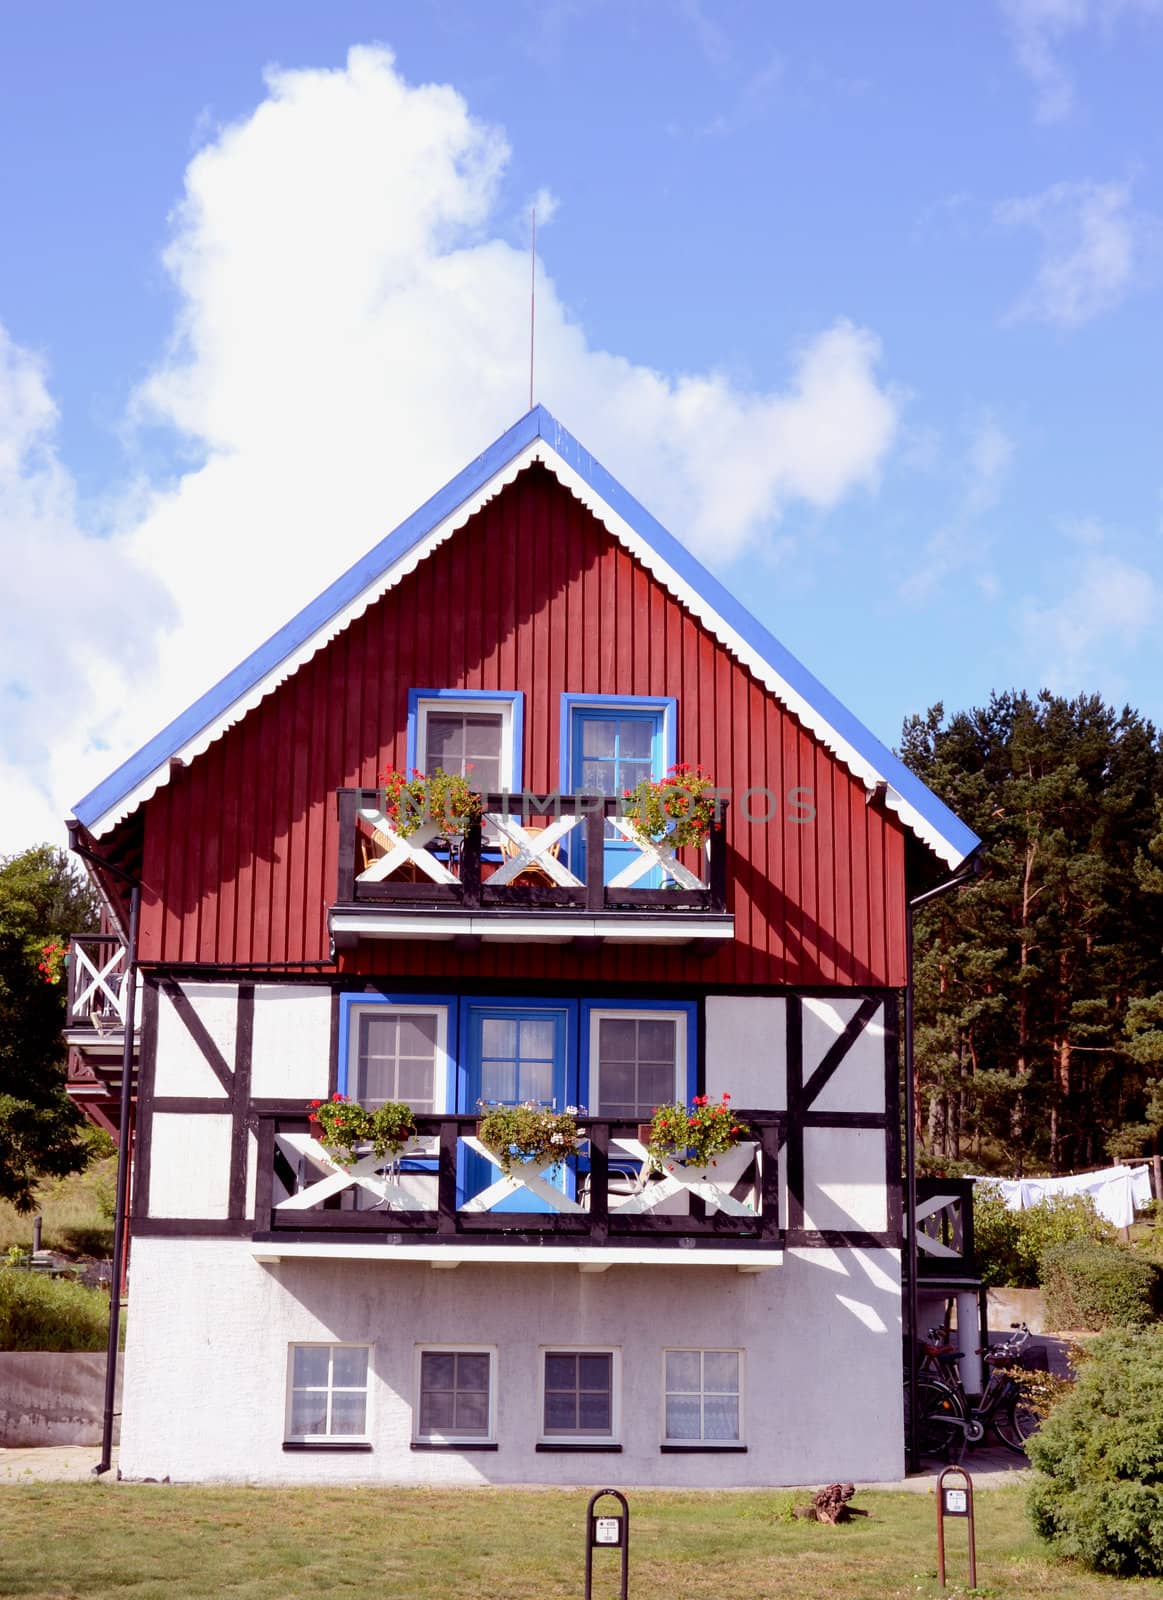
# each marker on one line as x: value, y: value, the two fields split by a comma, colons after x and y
x: 121, y: 1209
x: 968, y: 869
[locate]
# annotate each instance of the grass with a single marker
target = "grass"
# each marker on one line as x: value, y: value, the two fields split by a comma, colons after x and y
x: 42, y: 1313
x: 77, y: 1212
x: 99, y: 1541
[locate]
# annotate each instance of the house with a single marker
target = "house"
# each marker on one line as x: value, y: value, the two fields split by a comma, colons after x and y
x: 534, y: 627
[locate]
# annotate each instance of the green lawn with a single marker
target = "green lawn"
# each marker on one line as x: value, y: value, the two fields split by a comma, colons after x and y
x: 77, y: 1212
x: 93, y: 1541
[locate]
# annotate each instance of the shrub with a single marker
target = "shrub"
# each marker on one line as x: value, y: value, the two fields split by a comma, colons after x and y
x: 42, y: 1313
x: 1099, y: 1286
x: 1010, y: 1244
x: 1099, y: 1498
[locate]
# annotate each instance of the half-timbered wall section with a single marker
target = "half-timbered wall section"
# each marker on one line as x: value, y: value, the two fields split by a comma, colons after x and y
x: 533, y: 595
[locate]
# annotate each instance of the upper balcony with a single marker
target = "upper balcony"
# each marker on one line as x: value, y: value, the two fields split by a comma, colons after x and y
x: 536, y: 868
x: 95, y: 1025
x: 445, y: 1200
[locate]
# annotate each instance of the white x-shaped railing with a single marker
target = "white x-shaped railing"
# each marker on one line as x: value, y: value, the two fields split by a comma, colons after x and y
x: 530, y: 1176
x: 532, y: 847
x: 653, y: 853
x: 712, y: 1184
x: 376, y: 1175
x: 401, y: 850
x: 85, y: 999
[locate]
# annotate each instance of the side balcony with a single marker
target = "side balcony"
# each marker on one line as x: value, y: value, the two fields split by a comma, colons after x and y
x: 541, y: 868
x: 95, y: 1025
x: 445, y: 1201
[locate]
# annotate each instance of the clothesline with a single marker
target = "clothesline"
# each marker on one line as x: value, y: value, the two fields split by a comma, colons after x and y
x: 1116, y: 1191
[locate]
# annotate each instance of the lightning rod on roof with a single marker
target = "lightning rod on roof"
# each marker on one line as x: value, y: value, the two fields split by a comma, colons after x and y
x: 532, y: 293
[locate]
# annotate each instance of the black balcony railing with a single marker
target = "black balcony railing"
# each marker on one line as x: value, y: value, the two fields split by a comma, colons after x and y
x: 568, y: 875
x: 445, y: 1192
x: 944, y: 1224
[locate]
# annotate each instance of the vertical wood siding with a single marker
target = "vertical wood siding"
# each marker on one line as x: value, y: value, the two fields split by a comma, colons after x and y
x: 533, y: 594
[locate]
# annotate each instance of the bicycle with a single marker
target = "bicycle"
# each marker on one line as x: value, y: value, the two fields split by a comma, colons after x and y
x: 1003, y: 1405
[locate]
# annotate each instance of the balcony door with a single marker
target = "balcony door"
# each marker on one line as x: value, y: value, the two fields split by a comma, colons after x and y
x: 612, y: 749
x: 515, y: 1052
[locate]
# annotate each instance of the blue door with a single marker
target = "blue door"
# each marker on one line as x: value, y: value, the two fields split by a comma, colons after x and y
x: 611, y: 750
x: 514, y: 1053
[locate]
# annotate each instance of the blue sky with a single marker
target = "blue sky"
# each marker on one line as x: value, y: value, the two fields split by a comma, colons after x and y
x: 862, y: 301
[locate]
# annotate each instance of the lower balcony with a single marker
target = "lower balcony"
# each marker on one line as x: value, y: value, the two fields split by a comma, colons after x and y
x: 445, y: 1200
x: 549, y: 869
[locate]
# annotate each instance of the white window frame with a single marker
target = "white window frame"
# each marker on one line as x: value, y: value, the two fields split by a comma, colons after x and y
x: 460, y: 1347
x: 328, y: 1438
x: 474, y: 707
x: 627, y: 1014
x: 380, y: 1008
x: 597, y: 1440
x: 701, y: 1443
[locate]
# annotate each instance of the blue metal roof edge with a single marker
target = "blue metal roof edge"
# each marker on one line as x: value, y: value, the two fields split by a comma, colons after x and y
x: 538, y: 423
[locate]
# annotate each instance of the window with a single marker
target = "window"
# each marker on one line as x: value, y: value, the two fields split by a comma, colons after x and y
x: 702, y: 1395
x: 467, y: 734
x: 454, y: 1395
x: 579, y: 1397
x: 392, y: 1050
x: 327, y: 1393
x: 638, y: 1061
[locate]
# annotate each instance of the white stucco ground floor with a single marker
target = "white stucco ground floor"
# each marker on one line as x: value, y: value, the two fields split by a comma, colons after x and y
x: 372, y: 1371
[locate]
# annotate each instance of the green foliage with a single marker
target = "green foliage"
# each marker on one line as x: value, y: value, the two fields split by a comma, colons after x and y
x: 444, y: 798
x: 529, y: 1133
x: 1099, y: 1498
x: 1090, y: 1285
x: 680, y: 808
x: 344, y: 1125
x: 694, y: 1137
x: 38, y: 1312
x: 42, y: 898
x: 1030, y: 1049
x: 1009, y: 1245
x: 77, y: 1213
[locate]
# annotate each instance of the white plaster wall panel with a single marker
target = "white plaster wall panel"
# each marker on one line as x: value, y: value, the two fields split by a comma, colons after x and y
x: 746, y: 1043
x: 844, y: 1175
x: 858, y: 1082
x: 291, y: 1050
x: 821, y: 1336
x: 251, y: 1171
x: 181, y: 1068
x: 189, y: 1165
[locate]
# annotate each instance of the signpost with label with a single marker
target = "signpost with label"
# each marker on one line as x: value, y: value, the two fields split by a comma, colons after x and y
x: 610, y: 1531
x: 955, y: 1500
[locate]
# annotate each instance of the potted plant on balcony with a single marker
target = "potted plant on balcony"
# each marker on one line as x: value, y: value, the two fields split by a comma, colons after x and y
x: 529, y: 1134
x: 679, y: 810
x: 347, y: 1129
x: 694, y: 1138
x: 444, y: 798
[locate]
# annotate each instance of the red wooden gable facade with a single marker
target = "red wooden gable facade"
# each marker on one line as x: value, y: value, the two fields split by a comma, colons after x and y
x: 239, y: 851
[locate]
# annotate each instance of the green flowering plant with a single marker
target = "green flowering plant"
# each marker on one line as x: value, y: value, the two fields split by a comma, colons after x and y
x: 445, y: 798
x: 680, y: 808
x: 344, y: 1124
x: 694, y: 1138
x: 531, y: 1134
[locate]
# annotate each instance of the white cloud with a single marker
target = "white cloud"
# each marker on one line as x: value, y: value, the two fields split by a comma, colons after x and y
x: 1039, y: 30
x: 352, y: 330
x: 1107, y: 606
x: 1093, y: 246
x: 959, y: 544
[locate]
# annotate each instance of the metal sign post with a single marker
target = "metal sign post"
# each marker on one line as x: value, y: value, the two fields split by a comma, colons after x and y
x: 955, y: 1500
x: 609, y: 1532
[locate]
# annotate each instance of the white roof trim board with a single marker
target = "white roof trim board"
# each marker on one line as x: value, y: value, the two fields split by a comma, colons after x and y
x: 537, y: 438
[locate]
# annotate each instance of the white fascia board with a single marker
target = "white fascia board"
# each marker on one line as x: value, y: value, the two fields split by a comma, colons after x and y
x: 543, y: 926
x: 272, y: 1252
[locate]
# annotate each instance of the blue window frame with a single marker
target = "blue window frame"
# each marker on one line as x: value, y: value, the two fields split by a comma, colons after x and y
x: 444, y: 704
x: 626, y: 1035
x: 609, y: 744
x: 393, y: 1058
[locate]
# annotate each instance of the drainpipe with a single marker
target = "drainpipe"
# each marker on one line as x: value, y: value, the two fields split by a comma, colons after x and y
x: 122, y: 1206
x: 968, y: 869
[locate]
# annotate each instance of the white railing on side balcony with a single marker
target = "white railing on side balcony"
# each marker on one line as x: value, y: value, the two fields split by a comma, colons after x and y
x: 97, y: 980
